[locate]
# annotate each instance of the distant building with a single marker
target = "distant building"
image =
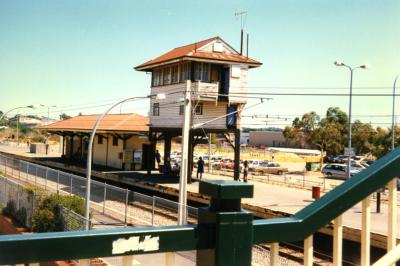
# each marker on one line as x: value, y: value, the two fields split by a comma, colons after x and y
x: 31, y: 121
x: 217, y: 77
x: 121, y: 140
x: 299, y: 152
x: 267, y: 138
x: 244, y: 138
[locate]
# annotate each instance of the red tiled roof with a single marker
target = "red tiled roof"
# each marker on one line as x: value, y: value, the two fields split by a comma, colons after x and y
x: 112, y: 122
x: 191, y: 52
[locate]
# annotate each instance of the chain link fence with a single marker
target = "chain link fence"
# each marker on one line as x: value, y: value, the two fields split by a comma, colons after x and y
x: 126, y: 206
x: 18, y: 200
x: 72, y: 221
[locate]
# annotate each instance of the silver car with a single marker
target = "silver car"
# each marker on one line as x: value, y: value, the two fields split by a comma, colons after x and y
x: 337, y: 170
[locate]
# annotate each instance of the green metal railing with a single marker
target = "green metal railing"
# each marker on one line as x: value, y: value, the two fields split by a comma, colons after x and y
x: 225, y: 233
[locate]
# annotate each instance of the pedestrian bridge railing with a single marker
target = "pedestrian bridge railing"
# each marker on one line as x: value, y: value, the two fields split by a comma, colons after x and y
x: 225, y: 234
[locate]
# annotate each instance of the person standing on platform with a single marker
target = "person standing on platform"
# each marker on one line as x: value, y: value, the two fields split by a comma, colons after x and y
x: 200, y: 168
x: 245, y: 170
x: 158, y: 159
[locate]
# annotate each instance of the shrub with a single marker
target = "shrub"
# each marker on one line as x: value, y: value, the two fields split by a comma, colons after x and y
x: 21, y: 216
x: 49, y: 217
x: 11, y: 209
x: 43, y: 221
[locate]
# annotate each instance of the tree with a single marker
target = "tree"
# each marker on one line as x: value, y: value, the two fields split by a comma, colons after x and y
x: 334, y: 114
x: 327, y: 137
x: 363, y: 137
x: 64, y: 116
x: 309, y: 121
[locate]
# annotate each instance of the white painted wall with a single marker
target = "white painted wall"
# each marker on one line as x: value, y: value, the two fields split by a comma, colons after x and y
x: 169, y: 109
x: 99, y: 151
x: 239, y: 84
x: 113, y: 153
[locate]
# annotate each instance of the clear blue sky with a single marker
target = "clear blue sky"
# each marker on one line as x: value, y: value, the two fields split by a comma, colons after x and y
x: 80, y: 54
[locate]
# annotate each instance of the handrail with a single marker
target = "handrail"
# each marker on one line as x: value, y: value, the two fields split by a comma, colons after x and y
x: 15, y: 249
x: 389, y: 258
x: 331, y: 205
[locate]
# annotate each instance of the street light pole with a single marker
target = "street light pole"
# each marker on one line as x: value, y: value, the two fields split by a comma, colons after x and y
x: 393, y: 107
x: 17, y: 129
x: 350, y: 104
x: 90, y: 152
x: 337, y: 63
x: 4, y: 115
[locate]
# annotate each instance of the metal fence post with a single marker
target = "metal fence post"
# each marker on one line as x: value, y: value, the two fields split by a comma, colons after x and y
x: 18, y: 203
x: 5, y: 166
x: 152, y: 211
x: 226, y: 223
x: 35, y: 176
x: 58, y: 180
x: 19, y: 170
x: 105, y: 197
x: 70, y: 185
x: 126, y: 206
x: 45, y: 182
x: 5, y: 191
x: 27, y: 171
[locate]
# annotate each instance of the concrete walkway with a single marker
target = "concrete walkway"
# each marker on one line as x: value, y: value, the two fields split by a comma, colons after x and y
x: 292, y: 200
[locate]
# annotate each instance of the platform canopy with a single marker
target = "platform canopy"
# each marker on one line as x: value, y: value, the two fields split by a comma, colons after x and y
x: 118, y: 123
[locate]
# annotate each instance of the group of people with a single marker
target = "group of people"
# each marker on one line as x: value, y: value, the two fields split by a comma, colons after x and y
x: 200, y: 167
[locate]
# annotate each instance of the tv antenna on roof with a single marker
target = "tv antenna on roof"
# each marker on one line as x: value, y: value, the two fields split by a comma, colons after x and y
x: 243, y: 16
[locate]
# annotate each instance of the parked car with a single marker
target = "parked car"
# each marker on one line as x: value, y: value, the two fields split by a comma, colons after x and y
x: 337, y: 170
x: 357, y: 166
x: 271, y: 168
x: 253, y: 164
x: 329, y: 159
x: 340, y: 159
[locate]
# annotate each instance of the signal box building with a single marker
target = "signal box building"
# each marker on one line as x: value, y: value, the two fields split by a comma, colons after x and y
x: 216, y: 76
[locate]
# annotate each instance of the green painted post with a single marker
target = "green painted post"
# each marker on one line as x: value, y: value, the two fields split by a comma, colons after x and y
x: 226, y: 227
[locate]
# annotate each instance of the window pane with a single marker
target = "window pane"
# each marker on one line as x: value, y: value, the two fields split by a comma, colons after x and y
x: 167, y: 76
x: 175, y: 74
x: 181, y: 109
x: 197, y: 71
x: 156, y: 109
x: 115, y: 141
x: 158, y: 75
x: 183, y: 72
x: 199, y: 109
x: 205, y: 72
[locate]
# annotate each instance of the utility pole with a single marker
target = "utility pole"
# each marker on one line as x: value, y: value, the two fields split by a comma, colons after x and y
x: 182, y: 213
x: 209, y: 153
x: 17, y: 129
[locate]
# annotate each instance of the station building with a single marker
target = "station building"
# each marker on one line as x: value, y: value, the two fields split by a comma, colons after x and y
x: 121, y: 140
